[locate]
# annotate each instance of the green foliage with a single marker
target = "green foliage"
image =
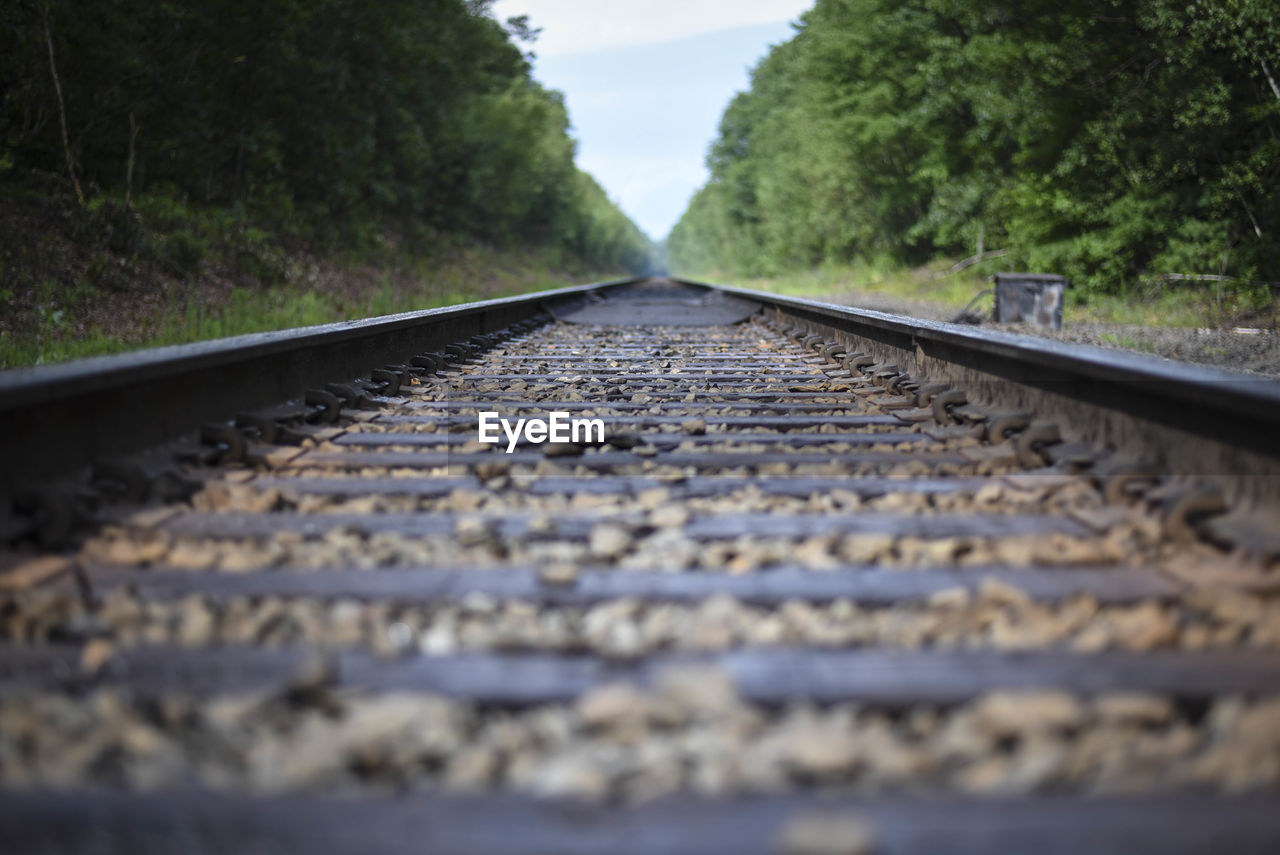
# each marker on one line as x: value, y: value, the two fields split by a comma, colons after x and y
x: 113, y: 225
x: 55, y: 329
x: 324, y: 120
x: 1112, y: 142
x: 182, y: 253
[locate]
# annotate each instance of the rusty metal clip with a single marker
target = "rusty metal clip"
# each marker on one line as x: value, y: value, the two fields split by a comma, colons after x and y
x: 943, y: 400
x: 885, y: 373
x: 898, y: 385
x: 330, y: 405
x: 1029, y: 443
x: 229, y: 441
x: 352, y: 395
x: 458, y: 352
x: 855, y: 362
x: 406, y: 372
x: 430, y: 363
x: 389, y: 379
x: 924, y: 395
x: 1122, y: 479
x: 1002, y: 425
x: 346, y: 393
x: 265, y: 427
x: 1185, y: 513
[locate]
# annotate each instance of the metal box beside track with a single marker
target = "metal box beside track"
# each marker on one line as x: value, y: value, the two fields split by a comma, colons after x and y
x: 1031, y: 297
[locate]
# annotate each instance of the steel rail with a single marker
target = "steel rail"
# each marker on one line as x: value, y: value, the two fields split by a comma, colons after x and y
x: 56, y: 419
x: 1223, y: 405
x: 1186, y: 419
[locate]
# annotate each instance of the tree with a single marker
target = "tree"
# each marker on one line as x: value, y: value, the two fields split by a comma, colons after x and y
x: 1108, y: 142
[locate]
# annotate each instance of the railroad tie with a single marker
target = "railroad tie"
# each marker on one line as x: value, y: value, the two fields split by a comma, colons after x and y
x: 794, y: 589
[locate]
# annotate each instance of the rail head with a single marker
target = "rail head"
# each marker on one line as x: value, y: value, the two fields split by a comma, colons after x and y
x: 56, y: 419
x: 1222, y: 405
x: 21, y: 387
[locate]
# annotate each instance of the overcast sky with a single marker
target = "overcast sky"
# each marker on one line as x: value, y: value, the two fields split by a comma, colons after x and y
x: 645, y: 82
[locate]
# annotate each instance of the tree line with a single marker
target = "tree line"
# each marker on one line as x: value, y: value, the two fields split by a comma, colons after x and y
x: 327, y: 119
x: 1110, y: 141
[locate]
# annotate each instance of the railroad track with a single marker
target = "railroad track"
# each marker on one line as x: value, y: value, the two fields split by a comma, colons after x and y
x: 828, y: 582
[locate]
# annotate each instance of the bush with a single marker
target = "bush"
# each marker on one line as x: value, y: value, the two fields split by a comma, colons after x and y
x: 182, y: 252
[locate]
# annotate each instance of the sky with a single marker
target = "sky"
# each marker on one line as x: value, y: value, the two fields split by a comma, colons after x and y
x: 645, y: 82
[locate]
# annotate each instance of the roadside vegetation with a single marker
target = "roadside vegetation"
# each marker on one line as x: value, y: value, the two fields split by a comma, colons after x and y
x: 171, y: 172
x: 1131, y: 145
x: 932, y: 290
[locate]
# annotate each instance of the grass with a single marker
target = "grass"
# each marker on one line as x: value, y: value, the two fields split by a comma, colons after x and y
x: 1142, y: 305
x: 841, y: 280
x: 79, y: 281
x: 1180, y: 307
x: 245, y: 311
x: 900, y: 283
